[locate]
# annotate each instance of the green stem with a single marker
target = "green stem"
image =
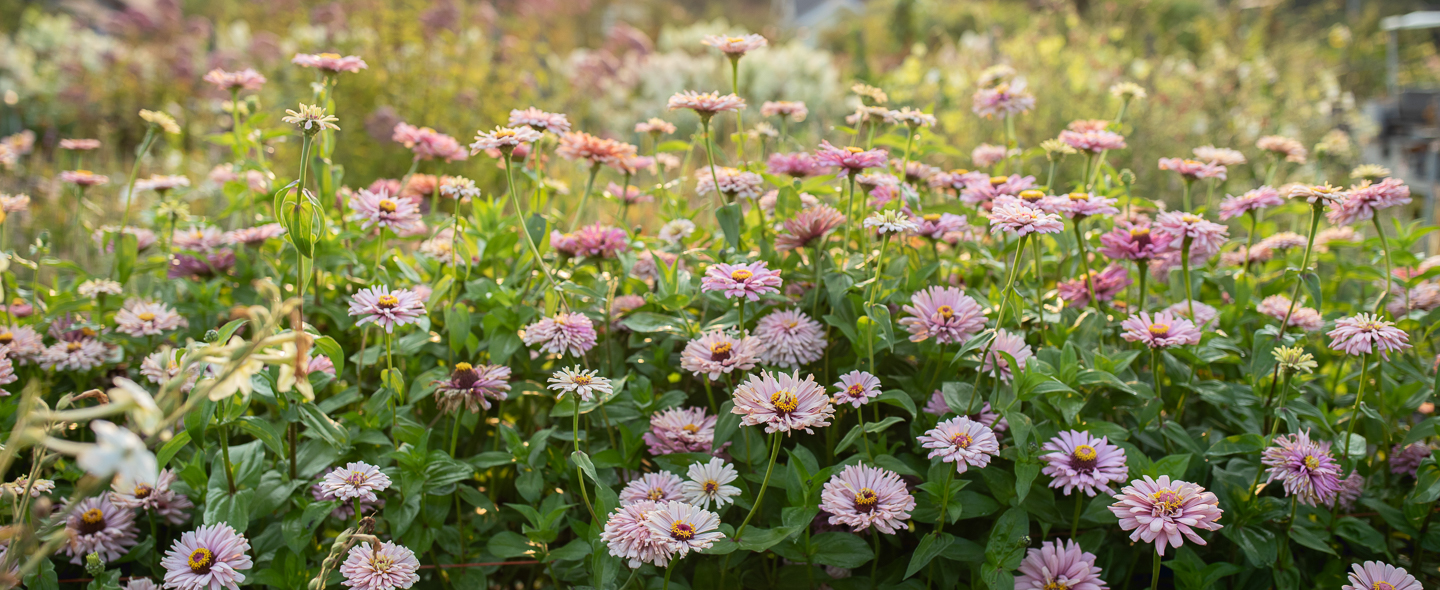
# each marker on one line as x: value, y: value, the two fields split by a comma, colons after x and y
x: 455, y: 433
x: 1185, y: 268
x: 579, y: 472
x: 134, y: 172
x: 944, y: 504
x: 1075, y: 522
x: 1289, y: 525
x: 999, y: 322
x: 585, y: 198
x: 710, y: 157
x: 1085, y: 265
x: 668, y: 567
x: 1040, y: 292
x: 525, y: 231
x: 765, y: 483
x: 739, y: 117
x: 1185, y: 196
x: 225, y: 458
x: 1142, y: 268
x: 1389, y: 278
x: 1155, y: 573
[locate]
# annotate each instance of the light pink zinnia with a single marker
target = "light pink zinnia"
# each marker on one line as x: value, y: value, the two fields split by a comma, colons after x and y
x: 628, y: 538
x: 1010, y: 344
x: 1254, y: 200
x: 379, y: 209
x: 1363, y: 201
x: 733, y: 182
x: 789, y: 338
x: 331, y: 63
x: 1093, y: 141
x: 384, y: 567
x: 1107, y: 284
x: 1218, y: 155
x: 1078, y: 460
x: 737, y: 46
x: 944, y: 313
x: 208, y: 558
x: 1374, y: 575
x: 717, y: 352
x: 1366, y: 333
x: 566, y: 333
x: 1081, y: 205
x: 793, y: 109
x: 1135, y: 242
x: 1059, y: 565
x: 681, y: 430
x: 797, y: 164
x: 1305, y: 468
x: 1161, y: 330
x: 741, y: 280
x: 355, y: 480
x: 1193, y: 169
x: 386, y: 308
x: 852, y: 159
x: 1166, y: 512
x: 653, y: 487
x: 705, y: 104
x: 857, y: 388
x: 1204, y: 314
x: 783, y: 403
x: 1406, y: 460
x: 680, y: 528
x: 807, y: 226
x: 961, y: 441
x: 503, y: 138
x: 147, y: 318
x: 591, y: 241
x: 246, y: 79
x: 861, y: 496
x: 1206, y: 237
x: 95, y: 525
x: 539, y: 120
x: 1004, y: 99
x: 1291, y: 149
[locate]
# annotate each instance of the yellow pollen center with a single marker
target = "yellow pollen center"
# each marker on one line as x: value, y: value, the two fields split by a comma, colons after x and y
x: 1054, y: 585
x: 997, y: 180
x: 146, y: 317
x: 92, y: 516
x: 387, y: 205
x: 72, y: 346
x: 1192, y: 163
x: 655, y: 495
x: 87, y: 331
x: 735, y: 39
x: 382, y: 563
x: 720, y: 348
x: 961, y: 440
x: 1002, y: 88
x: 581, y: 379
x: 741, y: 274
x: 932, y: 217
x: 1139, y: 232
x: 7, y: 338
x: 945, y: 311
x: 330, y: 55
x: 784, y: 401
x: 854, y: 149
x: 1191, y: 218
x: 201, y: 559
x: 463, y: 367
x: 682, y: 530
x: 1311, y: 462
x: 387, y: 301
x: 504, y: 133
x: 711, y: 486
x: 143, y: 491
x: 690, y: 428
x: 855, y: 390
x: 1159, y: 329
x: 1382, y: 585
x: 866, y: 498
x: 1079, y: 196
x: 1167, y: 500
x: 1085, y: 453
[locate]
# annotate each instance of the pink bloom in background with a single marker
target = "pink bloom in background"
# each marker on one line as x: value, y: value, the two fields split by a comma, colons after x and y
x: 540, y: 120
x: 1351, y: 488
x: 629, y: 194
x: 1010, y: 344
x: 1058, y: 565
x: 985, y: 415
x: 1366, y: 333
x: 716, y: 353
x: 627, y: 537
x: 1290, y: 149
x: 1077, y: 460
x: 1315, y: 194
x: 504, y: 138
x: 82, y: 145
x: 207, y: 558
x: 735, y: 46
x: 986, y: 155
x: 380, y: 209
x: 980, y: 190
x: 1083, y: 125
x: 1218, y: 155
x: 386, y: 308
x: 1373, y: 575
x: 851, y: 159
x: 1363, y: 201
x: 741, y: 280
x: 1406, y: 460
x: 1305, y: 318
x: 95, y: 525
x: 74, y: 355
x: 1135, y: 242
x: 1093, y: 140
x: 355, y: 480
x: 428, y: 144
x: 1252, y: 201
x: 1204, y: 314
x: 681, y: 528
x: 681, y: 430
x: 653, y: 487
x: 655, y: 125
x: 857, y: 388
x: 23, y: 343
x: 1021, y: 220
x: 1108, y: 283
x: 961, y: 441
x: 83, y: 178
x: 383, y: 567
x: 591, y: 241
x: 1166, y: 512
x: 246, y: 79
x: 795, y: 110
x: 783, y: 403
x: 565, y: 333
x: 152, y: 495
x: 1161, y: 330
x: 944, y: 313
x: 915, y: 172
x: 1003, y: 100
x: 147, y: 318
x: 471, y: 387
x: 861, y: 496
x: 331, y: 63
x: 1206, y: 237
x: 1305, y: 468
x: 1193, y: 169
x: 252, y: 236
x: 936, y: 225
x: 733, y: 182
x: 795, y: 164
x: 789, y: 338
x: 807, y: 226
x: 1081, y: 205
x: 705, y: 104
x: 1284, y: 240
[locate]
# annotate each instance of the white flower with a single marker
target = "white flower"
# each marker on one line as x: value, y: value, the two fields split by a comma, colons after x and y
x: 143, y: 411
x: 708, y: 484
x: 117, y: 450
x: 94, y: 287
x: 676, y: 230
x: 580, y: 382
x: 890, y: 222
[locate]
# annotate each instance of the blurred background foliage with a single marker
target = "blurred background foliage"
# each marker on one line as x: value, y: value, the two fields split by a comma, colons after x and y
x: 1218, y: 72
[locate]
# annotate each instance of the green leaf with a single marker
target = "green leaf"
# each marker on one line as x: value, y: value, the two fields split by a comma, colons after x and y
x: 1258, y: 544
x: 1421, y: 431
x: 1172, y: 465
x: 583, y: 460
x: 231, y: 509
x: 266, y: 431
x: 959, y: 396
x: 43, y: 578
x: 730, y: 217
x: 329, y: 430
x: 457, y: 323
x: 508, y: 544
x: 1311, y: 539
x: 535, y: 226
x: 930, y: 546
x: 172, y: 446
x: 896, y: 397
x: 1312, y: 285
x: 840, y: 550
x: 316, y: 513
x: 849, y: 439
x: 125, y: 257
x: 882, y: 425
x: 1240, y: 444
x: 1427, y: 484
x: 229, y: 329
x: 647, y: 322
x: 331, y: 349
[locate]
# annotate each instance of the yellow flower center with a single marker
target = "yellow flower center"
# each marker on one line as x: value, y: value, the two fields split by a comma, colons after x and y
x: 866, y: 499
x: 932, y: 217
x: 330, y: 55
x: 1085, y: 453
x: 690, y: 428
x: 1054, y: 585
x: 88, y: 331
x: 92, y: 516
x: 784, y: 401
x: 855, y: 390
x: 1191, y: 163
x: 1159, y: 330
x: 201, y: 560
x: 961, y: 440
x: 655, y: 495
x: 1311, y: 462
x: 1079, y: 196
x: 682, y: 531
x: 504, y: 133
x: 720, y: 348
x: 735, y: 39
x: 387, y: 205
x: 382, y: 563
x: 72, y: 346
x: 1137, y: 232
x: 143, y: 491
x: 1191, y: 218
x: 1167, y: 500
x: 581, y: 379
x: 997, y: 180
x: 7, y: 337
x: 1382, y: 585
x: 146, y: 316
x: 355, y: 478
x: 387, y: 301
x: 854, y: 149
x: 463, y: 366
x: 945, y: 311
x: 741, y: 274
x: 711, y: 486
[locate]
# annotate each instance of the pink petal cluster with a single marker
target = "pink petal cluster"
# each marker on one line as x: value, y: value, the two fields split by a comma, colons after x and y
x: 1059, y: 564
x: 1366, y: 333
x: 1166, y: 512
x: 565, y: 333
x: 1161, y: 330
x: 783, y: 403
x: 749, y: 280
x: 946, y: 314
x: 1077, y: 460
x: 861, y: 496
x: 1252, y: 201
x: 961, y: 441
x: 851, y: 159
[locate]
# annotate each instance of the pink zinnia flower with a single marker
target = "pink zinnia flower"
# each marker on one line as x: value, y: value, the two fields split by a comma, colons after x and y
x: 681, y: 430
x: 857, y: 388
x: 148, y: 495
x: 1193, y: 169
x: 705, y: 104
x: 355, y: 480
x: 503, y: 139
x: 1366, y: 333
x: 733, y: 182
x: 741, y: 280
x: 656, y: 126
x: 1406, y: 460
x: 147, y: 318
x: 1078, y: 206
x: 680, y: 528
x: 539, y: 120
x: 1166, y: 512
x: 83, y: 178
x: 789, y: 338
x: 75, y: 355
x: 1003, y: 99
x: 246, y: 79
x: 793, y: 109
x: 23, y: 343
x: 1010, y: 344
x: 566, y: 333
x: 807, y: 226
x: 1284, y: 240
x: 1079, y: 461
x: 1093, y: 140
x: 1364, y: 200
x: 796, y: 164
x: 1021, y: 220
x: 716, y: 352
x: 252, y: 236
x: 709, y: 482
x: 1291, y: 149
x: 734, y: 47
x: 379, y: 209
x: 383, y: 566
x: 1305, y: 318
x: 208, y: 558
x: 95, y: 525
x: 473, y: 387
x: 1136, y: 242
x: 986, y: 155
x: 937, y: 225
x: 629, y: 194
x: 653, y: 487
x: 861, y: 496
x: 1255, y: 200
x: 83, y: 145
x: 1218, y: 155
x: 386, y: 308
x: 1304, y: 467
x: 1373, y: 575
x: 1351, y: 488
x: 944, y: 313
x: 852, y: 159
x: 428, y: 144
x: 591, y: 241
x: 783, y: 403
x: 628, y: 538
x: 961, y: 441
x: 1107, y: 283
x: 1059, y: 565
x: 1204, y: 314
x: 1206, y: 237
x: 985, y: 415
x: 331, y: 63
x: 1161, y: 330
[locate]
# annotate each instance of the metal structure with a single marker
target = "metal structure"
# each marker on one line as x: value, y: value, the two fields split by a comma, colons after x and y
x: 1409, y: 121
